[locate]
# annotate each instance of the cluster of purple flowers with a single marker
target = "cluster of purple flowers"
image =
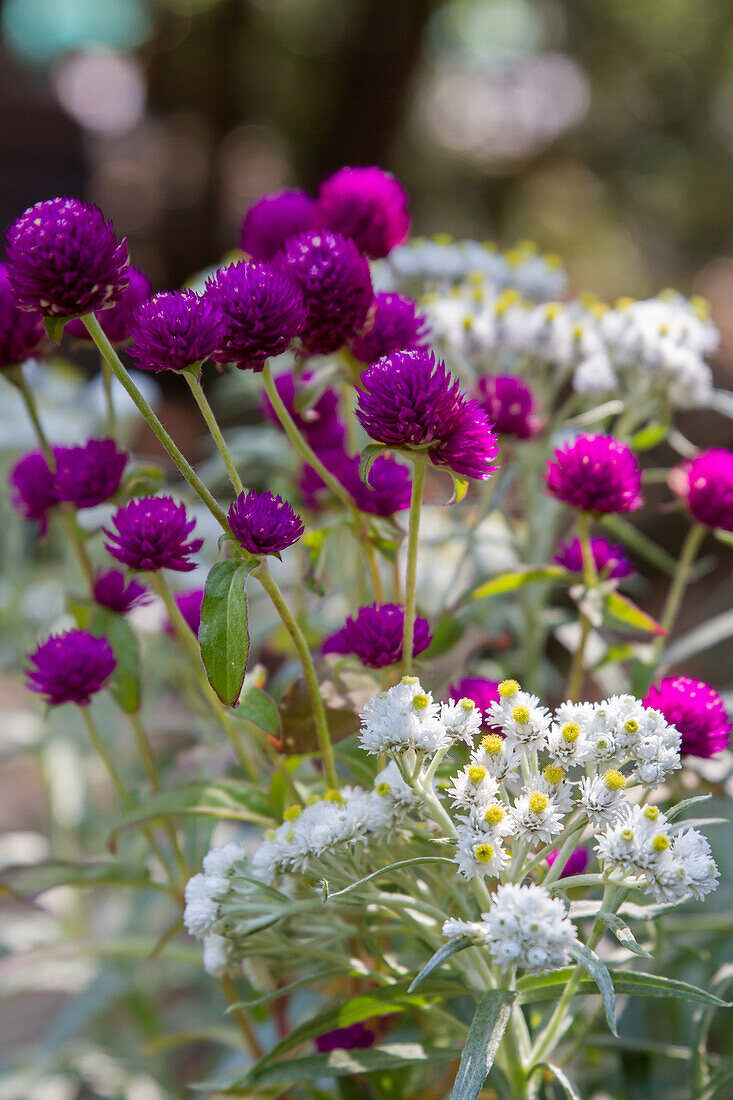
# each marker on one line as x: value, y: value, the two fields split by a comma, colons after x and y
x: 374, y: 635
x: 509, y: 403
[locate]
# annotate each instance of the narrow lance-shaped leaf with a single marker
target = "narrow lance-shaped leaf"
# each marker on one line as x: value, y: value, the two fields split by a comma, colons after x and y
x: 518, y: 578
x: 623, y: 933
x: 482, y: 1042
x: 621, y: 611
x: 458, y: 943
x: 600, y: 975
x: 124, y: 684
x: 223, y: 633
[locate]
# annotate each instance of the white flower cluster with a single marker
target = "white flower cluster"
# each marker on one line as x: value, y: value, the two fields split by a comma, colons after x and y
x: 405, y: 717
x: 674, y: 865
x: 346, y: 817
x: 524, y: 928
x: 440, y: 262
x: 203, y: 895
x: 637, y: 347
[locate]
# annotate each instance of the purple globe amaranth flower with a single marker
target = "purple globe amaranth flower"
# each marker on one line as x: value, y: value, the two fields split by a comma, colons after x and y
x: 696, y: 710
x: 705, y: 486
x: 189, y: 604
x: 610, y: 560
x: 482, y: 692
x: 151, y: 534
x: 112, y: 590
x: 375, y: 635
x: 64, y: 259
x: 173, y: 330
x: 409, y: 400
x: 575, y: 864
x: 595, y: 473
x: 319, y: 423
x: 334, y: 279
x: 264, y: 523
x: 33, y: 488
x: 116, y: 321
x: 393, y: 323
x: 71, y: 667
x: 509, y: 404
x: 21, y: 333
x: 368, y: 205
x: 351, y: 1037
x: 90, y: 474
x: 272, y: 219
x: 388, y: 491
x: 262, y: 312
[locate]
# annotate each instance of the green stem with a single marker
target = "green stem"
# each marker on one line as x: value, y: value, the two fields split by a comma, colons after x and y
x: 16, y: 376
x: 590, y: 576
x: 240, y: 1018
x: 184, y: 466
x: 151, y: 770
x: 420, y: 464
x: 191, y: 648
x: 194, y: 384
x: 263, y: 575
x: 689, y: 551
x: 109, y: 399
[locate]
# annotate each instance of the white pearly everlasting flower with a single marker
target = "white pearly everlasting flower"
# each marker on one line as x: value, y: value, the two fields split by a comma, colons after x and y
x: 404, y: 717
x: 474, y: 929
x: 473, y: 786
x: 220, y: 861
x: 535, y: 817
x: 478, y: 855
x: 630, y: 844
x: 603, y: 798
x: 462, y: 720
x: 216, y: 955
x: 567, y: 739
x: 202, y: 894
x: 553, y: 783
x: 522, y: 719
x: 692, y: 850
x: 500, y: 758
x: 529, y: 929
x: 494, y: 819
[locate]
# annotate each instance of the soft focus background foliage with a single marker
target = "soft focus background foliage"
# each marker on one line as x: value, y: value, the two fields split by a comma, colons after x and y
x: 601, y: 128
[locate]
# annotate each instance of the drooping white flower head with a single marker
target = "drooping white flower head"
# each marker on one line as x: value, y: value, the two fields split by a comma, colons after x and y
x: 529, y: 929
x: 692, y: 850
x: 202, y: 894
x: 474, y: 929
x: 216, y: 955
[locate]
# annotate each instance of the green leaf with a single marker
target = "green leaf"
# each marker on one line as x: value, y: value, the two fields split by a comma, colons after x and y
x: 141, y: 480
x: 458, y: 943
x: 675, y: 811
x: 448, y: 631
x: 460, y: 488
x: 30, y: 880
x: 417, y: 860
x: 231, y: 799
x: 623, y: 933
x: 600, y: 975
x: 621, y: 611
x: 369, y: 455
x: 637, y: 541
x: 651, y: 435
x: 54, y: 327
x: 482, y: 1042
x: 124, y: 684
x: 259, y: 709
x: 721, y: 1079
x: 314, y: 542
x: 545, y: 987
x: 562, y: 1079
x: 223, y: 633
x: 518, y: 578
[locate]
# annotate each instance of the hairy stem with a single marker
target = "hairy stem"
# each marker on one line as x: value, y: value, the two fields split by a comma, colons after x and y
x: 194, y: 384
x: 418, y: 484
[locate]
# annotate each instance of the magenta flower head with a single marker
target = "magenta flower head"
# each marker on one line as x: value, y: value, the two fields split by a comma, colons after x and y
x: 375, y: 635
x: 71, y: 667
x: 171, y: 331
x: 33, y: 488
x: 409, y: 400
x: 319, y: 423
x: 151, y: 534
x: 351, y: 1037
x: 611, y: 562
x: 116, y: 321
x: 64, y: 259
x: 333, y: 277
x: 705, y: 486
x: 393, y: 324
x: 482, y: 692
x: 89, y: 474
x: 262, y: 312
x: 189, y: 604
x: 695, y: 710
x: 509, y: 404
x: 264, y: 523
x: 272, y: 219
x: 21, y: 333
x: 112, y: 590
x: 595, y: 473
x: 576, y: 863
x: 388, y: 490
x: 367, y: 205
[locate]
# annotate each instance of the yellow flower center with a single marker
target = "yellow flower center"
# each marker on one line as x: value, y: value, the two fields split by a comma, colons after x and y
x: 492, y: 743
x: 494, y: 815
x: 420, y: 702
x: 466, y: 704
x: 476, y: 773
x: 627, y: 834
x: 553, y: 774
x: 483, y: 852
x: 410, y: 680
x: 651, y: 813
x: 614, y: 780
x: 631, y: 725
x: 571, y: 731
x: 520, y: 714
x: 312, y: 799
x: 660, y: 843
x: 538, y: 802
x: 383, y: 789
x: 332, y: 796
x: 507, y: 688
x: 292, y: 813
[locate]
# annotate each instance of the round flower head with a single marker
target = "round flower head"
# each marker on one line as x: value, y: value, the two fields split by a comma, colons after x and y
x: 116, y: 321
x: 695, y: 710
x: 393, y: 324
x: 389, y: 487
x: 375, y: 635
x: 368, y: 205
x: 89, y: 474
x: 173, y: 330
x: 319, y: 423
x: 509, y: 404
x: 529, y: 929
x: 595, y: 473
x: 64, y: 259
x: 71, y: 667
x: 409, y: 400
x: 610, y: 560
x: 151, y: 534
x: 272, y: 219
x: 352, y: 1037
x: 705, y: 486
x: 189, y: 604
x: 264, y: 523
x: 333, y: 277
x: 576, y: 862
x: 262, y: 312
x: 113, y: 591
x: 21, y: 333
x: 33, y: 488
x: 483, y: 692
